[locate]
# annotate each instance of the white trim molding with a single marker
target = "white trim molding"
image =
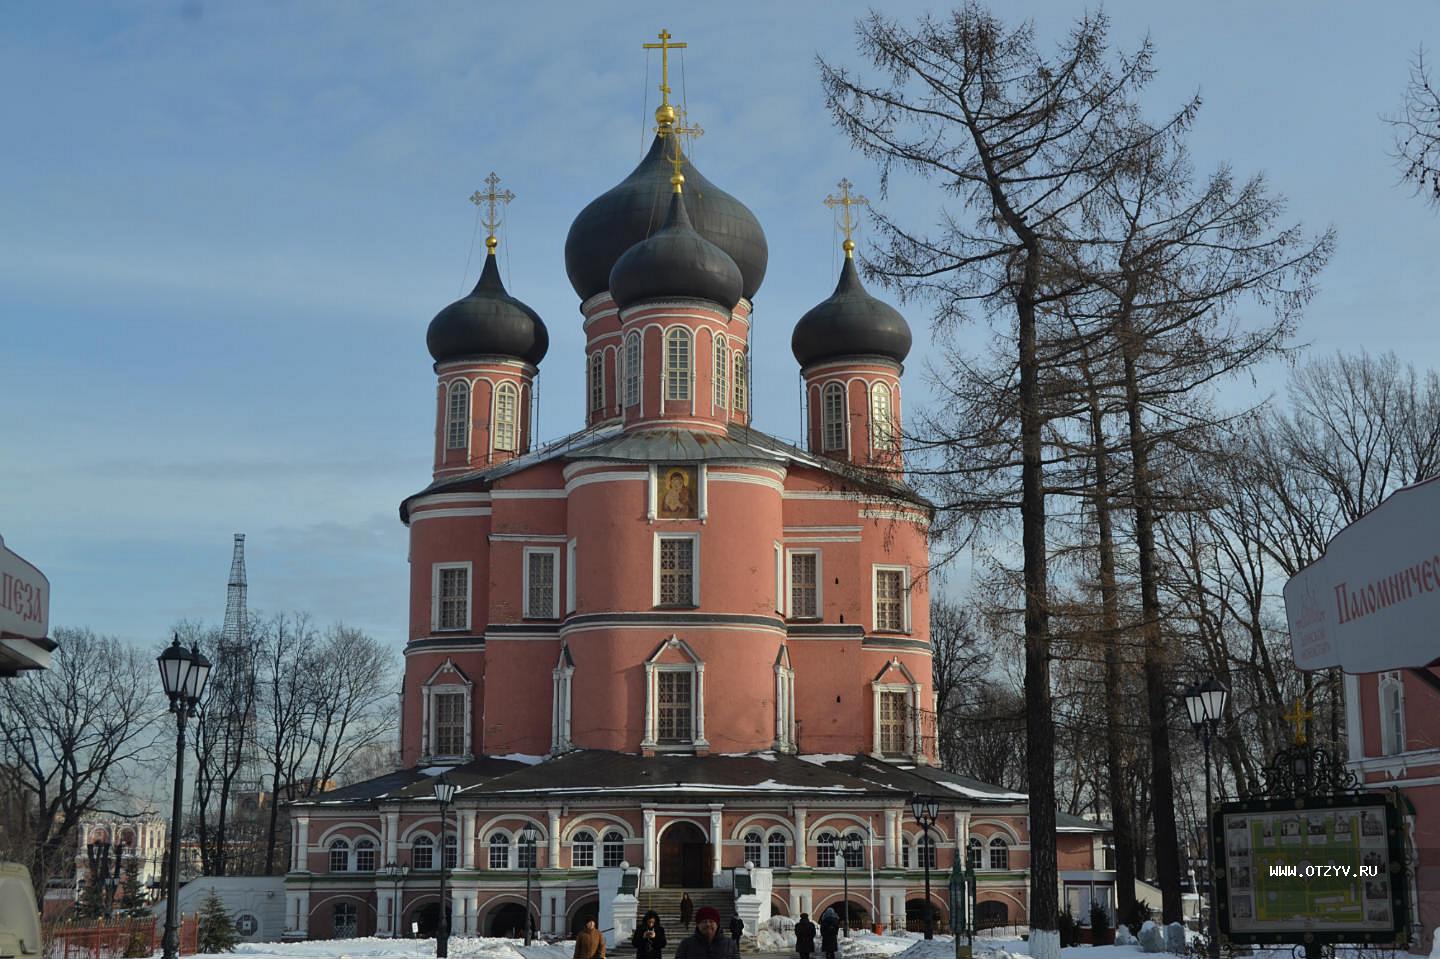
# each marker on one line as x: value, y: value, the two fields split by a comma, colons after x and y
x: 696, y: 668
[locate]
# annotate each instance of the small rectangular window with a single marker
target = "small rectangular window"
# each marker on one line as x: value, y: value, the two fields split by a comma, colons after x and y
x: 457, y: 417
x: 540, y: 584
x: 804, y: 585
x: 677, y: 365
x: 597, y: 382
x: 673, y: 719
x: 449, y: 723
x: 677, y: 571
x: 742, y: 385
x: 890, y: 600
x: 454, y: 598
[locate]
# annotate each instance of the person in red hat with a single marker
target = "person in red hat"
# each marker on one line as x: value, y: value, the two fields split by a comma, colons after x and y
x: 706, y: 942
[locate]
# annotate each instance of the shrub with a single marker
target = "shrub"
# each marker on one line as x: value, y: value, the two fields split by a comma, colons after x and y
x: 1099, y: 924
x: 1069, y: 935
x: 1139, y: 914
x: 217, y: 930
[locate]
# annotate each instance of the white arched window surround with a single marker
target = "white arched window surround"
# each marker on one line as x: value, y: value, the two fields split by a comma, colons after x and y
x: 612, y: 848
x: 832, y: 417
x: 597, y: 382
x: 1391, y: 691
x: 499, y: 849
x: 457, y: 416
x: 582, y: 850
x: 775, y: 849
x: 895, y: 683
x: 505, y: 431
x: 742, y: 384
x: 562, y: 677
x: 693, y: 665
x: 339, y: 855
x: 422, y: 852
x: 721, y: 385
x: 999, y: 853
x: 679, y: 358
x: 365, y: 855
x: 447, y: 680
x: 882, y: 419
x: 633, y: 368
x: 975, y: 853
x: 754, y: 845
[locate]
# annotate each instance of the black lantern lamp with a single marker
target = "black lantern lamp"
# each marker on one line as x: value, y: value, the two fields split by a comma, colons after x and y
x: 183, y: 673
x: 1205, y: 702
x: 529, y: 836
x: 444, y: 793
x: 926, y: 810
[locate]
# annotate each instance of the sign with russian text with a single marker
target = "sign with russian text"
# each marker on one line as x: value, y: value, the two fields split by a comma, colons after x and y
x: 1330, y: 868
x: 1372, y: 602
x: 24, y: 597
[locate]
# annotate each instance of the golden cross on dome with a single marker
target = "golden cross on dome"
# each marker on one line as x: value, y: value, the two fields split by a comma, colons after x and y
x: 665, y: 113
x: 677, y: 158
x: 489, y: 199
x: 845, y: 201
x: 1297, y: 717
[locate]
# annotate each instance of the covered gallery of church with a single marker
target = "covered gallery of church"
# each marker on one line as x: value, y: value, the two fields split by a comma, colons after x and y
x: 667, y: 651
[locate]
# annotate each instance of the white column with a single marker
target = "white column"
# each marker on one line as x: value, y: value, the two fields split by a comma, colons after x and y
x: 892, y: 838
x: 301, y: 862
x: 885, y: 913
x: 801, y: 832
x: 302, y: 918
x: 467, y: 839
x: 962, y: 835
x: 458, y: 913
x: 384, y: 910
x: 554, y: 912
x: 392, y: 837
x: 716, y: 839
x: 1354, y: 732
x: 649, y: 879
x: 552, y: 855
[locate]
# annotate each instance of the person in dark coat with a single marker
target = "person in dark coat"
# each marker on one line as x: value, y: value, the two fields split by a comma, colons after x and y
x: 830, y: 932
x: 706, y: 942
x: 737, y: 928
x: 687, y: 909
x: 805, y: 936
x: 649, y: 938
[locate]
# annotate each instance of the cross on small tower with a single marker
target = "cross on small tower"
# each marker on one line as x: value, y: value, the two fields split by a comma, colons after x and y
x: 675, y: 131
x: 665, y: 114
x: 845, y: 201
x: 1297, y: 717
x: 489, y: 199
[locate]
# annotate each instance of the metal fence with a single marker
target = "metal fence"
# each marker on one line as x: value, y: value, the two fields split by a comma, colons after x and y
x: 115, y: 939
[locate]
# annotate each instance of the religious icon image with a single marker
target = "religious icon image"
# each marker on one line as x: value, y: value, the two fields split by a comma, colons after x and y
x: 679, y: 492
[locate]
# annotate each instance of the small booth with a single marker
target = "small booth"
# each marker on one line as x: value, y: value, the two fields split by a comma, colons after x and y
x: 24, y: 615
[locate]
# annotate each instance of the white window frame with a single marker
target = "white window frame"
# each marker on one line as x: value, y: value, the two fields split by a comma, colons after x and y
x: 875, y: 572
x: 342, y: 846
x: 593, y: 847
x: 790, y: 555
x: 1392, y: 720
x: 429, y: 844
x: 720, y: 389
x: 570, y: 565
x: 370, y: 847
x: 997, y: 842
x: 679, y: 381
x: 460, y: 683
x: 770, y: 844
x: 562, y: 678
x: 780, y: 591
x: 975, y: 853
x: 436, y: 694
x: 634, y: 368
x: 509, y: 849
x: 758, y: 844
x: 596, y: 386
x: 834, y: 434
x: 527, y: 552
x: 435, y: 569
x: 907, y: 745
x: 463, y: 421
x: 694, y: 567
x: 605, y: 847
x: 784, y: 703
x: 882, y: 422
x: 653, y: 667
x: 740, y: 374
x: 505, y: 427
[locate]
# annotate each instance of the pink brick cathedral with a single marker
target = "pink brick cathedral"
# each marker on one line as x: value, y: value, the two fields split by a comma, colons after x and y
x: 682, y: 653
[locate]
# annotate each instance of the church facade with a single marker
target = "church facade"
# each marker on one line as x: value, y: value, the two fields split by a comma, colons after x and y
x: 667, y: 651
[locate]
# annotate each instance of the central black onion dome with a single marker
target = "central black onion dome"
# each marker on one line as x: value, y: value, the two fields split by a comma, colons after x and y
x: 850, y: 323
x: 488, y: 322
x: 620, y: 218
x: 676, y: 262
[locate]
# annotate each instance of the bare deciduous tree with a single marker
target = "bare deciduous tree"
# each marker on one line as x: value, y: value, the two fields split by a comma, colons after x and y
x: 1417, y: 131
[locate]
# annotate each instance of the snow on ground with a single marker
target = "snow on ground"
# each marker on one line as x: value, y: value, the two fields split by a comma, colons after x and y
x: 461, y: 947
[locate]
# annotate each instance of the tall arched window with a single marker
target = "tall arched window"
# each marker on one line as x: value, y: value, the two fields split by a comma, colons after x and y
x: 882, y: 424
x: 832, y: 408
x: 612, y: 849
x: 926, y: 847
x: 999, y: 853
x: 422, y: 853
x: 825, y: 850
x: 632, y: 369
x: 974, y: 853
x: 742, y: 385
x: 582, y: 850
x: 457, y: 416
x: 775, y: 850
x: 722, y: 372
x: 855, y: 854
x: 339, y: 856
x: 752, y: 847
x: 597, y: 381
x: 451, y: 855
x: 499, y: 851
x: 506, y: 404
x: 677, y: 364
x: 365, y: 855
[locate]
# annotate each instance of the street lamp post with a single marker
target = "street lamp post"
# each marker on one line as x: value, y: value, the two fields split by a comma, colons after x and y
x: 844, y: 848
x: 1205, y: 702
x: 112, y: 882
x: 183, y: 673
x: 397, y: 876
x: 444, y: 792
x: 926, y: 809
x: 528, y: 837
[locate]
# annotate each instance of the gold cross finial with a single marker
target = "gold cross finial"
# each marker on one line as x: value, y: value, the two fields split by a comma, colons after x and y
x: 489, y: 199
x: 845, y: 201
x: 1297, y: 717
x: 677, y: 159
x: 665, y: 113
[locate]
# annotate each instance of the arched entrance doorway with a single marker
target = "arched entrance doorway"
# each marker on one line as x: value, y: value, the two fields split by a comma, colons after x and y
x: 424, y: 921
x: 915, y: 916
x: 590, y: 910
x: 508, y: 921
x: 684, y: 857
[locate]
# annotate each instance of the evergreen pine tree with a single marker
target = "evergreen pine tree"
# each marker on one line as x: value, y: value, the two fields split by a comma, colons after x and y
x: 91, y: 902
x: 217, y: 929
x: 131, y: 899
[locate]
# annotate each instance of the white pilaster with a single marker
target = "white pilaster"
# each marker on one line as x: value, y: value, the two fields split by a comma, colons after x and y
x: 301, y: 862
x: 392, y: 838
x: 467, y: 839
x: 802, y: 851
x: 384, y: 912
x: 717, y: 840
x: 892, y: 838
x: 552, y: 825
x: 650, y: 877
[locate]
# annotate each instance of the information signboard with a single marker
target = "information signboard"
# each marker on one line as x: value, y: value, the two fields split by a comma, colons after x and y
x: 1323, y: 869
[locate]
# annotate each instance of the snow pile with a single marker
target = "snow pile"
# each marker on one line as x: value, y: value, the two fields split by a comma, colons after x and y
x: 776, y: 934
x: 912, y: 945
x: 461, y: 947
x: 1435, y: 944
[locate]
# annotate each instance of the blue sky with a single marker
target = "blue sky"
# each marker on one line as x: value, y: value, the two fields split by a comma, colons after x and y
x: 224, y: 228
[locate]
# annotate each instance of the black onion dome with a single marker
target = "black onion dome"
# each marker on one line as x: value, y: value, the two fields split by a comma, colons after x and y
x: 676, y: 262
x: 850, y: 323
x: 488, y: 322
x: 620, y: 218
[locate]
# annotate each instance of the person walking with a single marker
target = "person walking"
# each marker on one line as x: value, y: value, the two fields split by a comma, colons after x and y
x: 805, y: 936
x: 830, y: 932
x: 589, y: 943
x: 706, y: 942
x: 737, y: 929
x: 687, y: 909
x: 649, y: 938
